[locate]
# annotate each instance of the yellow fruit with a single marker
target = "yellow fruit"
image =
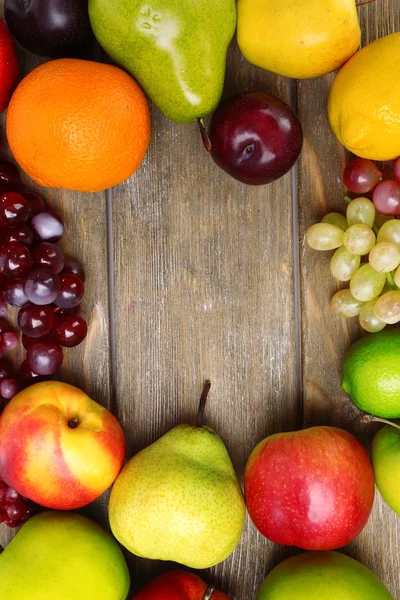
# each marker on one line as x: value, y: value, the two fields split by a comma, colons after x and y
x: 298, y: 38
x: 371, y: 373
x: 364, y: 102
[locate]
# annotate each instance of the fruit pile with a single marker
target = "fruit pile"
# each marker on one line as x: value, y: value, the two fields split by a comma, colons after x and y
x: 15, y: 510
x: 36, y: 278
x: 367, y: 243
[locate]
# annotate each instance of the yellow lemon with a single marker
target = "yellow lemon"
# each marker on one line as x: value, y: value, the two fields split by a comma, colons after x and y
x: 364, y: 102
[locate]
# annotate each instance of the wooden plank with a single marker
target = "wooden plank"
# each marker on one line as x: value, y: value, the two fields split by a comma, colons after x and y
x: 88, y: 365
x: 326, y: 337
x: 204, y: 288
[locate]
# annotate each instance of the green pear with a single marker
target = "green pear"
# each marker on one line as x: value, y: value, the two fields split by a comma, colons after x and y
x: 385, y: 454
x: 63, y: 556
x: 176, y: 49
x: 179, y: 499
x: 322, y: 576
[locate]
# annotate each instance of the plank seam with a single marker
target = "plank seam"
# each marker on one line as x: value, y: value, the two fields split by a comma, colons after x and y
x: 111, y: 301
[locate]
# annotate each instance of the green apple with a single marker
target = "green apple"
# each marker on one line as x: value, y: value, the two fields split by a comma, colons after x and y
x: 386, y: 462
x: 322, y: 576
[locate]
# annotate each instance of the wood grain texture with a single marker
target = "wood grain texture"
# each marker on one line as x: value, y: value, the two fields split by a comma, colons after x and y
x: 204, y: 289
x: 325, y: 336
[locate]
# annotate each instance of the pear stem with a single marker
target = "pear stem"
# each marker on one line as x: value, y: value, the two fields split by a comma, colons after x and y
x: 364, y: 2
x: 371, y: 419
x: 202, y: 406
x: 204, y: 135
x: 208, y: 593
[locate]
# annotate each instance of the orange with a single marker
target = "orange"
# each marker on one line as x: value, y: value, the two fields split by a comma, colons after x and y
x: 78, y: 125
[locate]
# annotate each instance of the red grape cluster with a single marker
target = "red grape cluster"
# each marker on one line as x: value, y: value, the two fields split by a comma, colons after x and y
x: 36, y: 278
x: 14, y: 509
x: 362, y: 176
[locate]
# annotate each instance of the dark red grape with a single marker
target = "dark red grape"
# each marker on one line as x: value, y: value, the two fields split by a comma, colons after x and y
x: 69, y: 331
x: 9, y: 388
x: 6, y: 370
x: 361, y: 175
x: 28, y: 376
x: 17, y: 510
x: 71, y: 291
x: 9, y: 341
x: 386, y: 197
x: 21, y: 234
x: 396, y: 169
x: 11, y: 495
x: 13, y: 209
x: 29, y: 341
x: 3, y: 489
x: 63, y: 312
x: 49, y: 256
x: 47, y: 227
x: 42, y: 287
x: 35, y: 321
x: 44, y: 358
x: 255, y: 137
x: 35, y: 203
x: 73, y: 266
x: 13, y: 290
x: 3, y: 306
x: 9, y: 173
x: 15, y: 260
x: 4, y: 326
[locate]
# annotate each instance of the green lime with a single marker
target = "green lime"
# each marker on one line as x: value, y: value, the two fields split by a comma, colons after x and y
x: 371, y: 373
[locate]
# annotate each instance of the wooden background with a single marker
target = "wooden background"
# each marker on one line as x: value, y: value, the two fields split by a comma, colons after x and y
x: 192, y: 275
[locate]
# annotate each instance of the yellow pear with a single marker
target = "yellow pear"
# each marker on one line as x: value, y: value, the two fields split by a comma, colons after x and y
x: 179, y: 499
x: 298, y: 38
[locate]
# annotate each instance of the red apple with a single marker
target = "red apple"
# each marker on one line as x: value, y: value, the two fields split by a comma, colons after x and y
x: 178, y: 585
x: 58, y: 447
x: 312, y: 488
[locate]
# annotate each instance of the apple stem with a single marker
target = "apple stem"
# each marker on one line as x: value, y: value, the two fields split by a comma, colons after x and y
x: 73, y: 422
x: 208, y: 593
x: 364, y: 2
x: 372, y: 419
x: 202, y: 404
x: 204, y: 135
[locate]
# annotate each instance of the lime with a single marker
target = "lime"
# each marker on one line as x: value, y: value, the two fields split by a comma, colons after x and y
x: 371, y: 373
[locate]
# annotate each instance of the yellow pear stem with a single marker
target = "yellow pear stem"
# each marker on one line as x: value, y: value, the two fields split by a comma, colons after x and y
x: 364, y: 2
x: 208, y: 593
x: 372, y: 419
x: 202, y: 403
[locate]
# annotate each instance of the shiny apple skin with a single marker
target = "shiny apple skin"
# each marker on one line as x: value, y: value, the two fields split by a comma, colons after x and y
x: 313, y: 489
x: 54, y: 28
x: 255, y: 137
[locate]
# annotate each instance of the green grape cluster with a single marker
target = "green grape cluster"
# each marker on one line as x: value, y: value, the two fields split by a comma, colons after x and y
x: 367, y: 255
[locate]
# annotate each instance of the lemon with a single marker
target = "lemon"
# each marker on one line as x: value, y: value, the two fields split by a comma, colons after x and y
x: 371, y: 373
x: 364, y: 102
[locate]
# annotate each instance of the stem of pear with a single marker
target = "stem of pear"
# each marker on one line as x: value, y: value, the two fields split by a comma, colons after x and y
x: 372, y: 419
x: 204, y: 135
x: 364, y: 2
x: 202, y: 406
x: 208, y: 593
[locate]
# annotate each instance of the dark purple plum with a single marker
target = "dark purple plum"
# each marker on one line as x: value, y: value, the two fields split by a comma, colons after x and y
x: 55, y: 28
x: 255, y: 137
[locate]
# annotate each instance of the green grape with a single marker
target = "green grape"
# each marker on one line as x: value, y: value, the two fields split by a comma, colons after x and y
x: 390, y: 232
x: 366, y: 284
x: 360, y: 211
x: 345, y: 305
x: 384, y: 257
x: 387, y: 307
x: 381, y: 219
x: 359, y: 239
x: 324, y: 236
x: 344, y: 264
x: 368, y: 319
x: 397, y: 277
x: 337, y: 219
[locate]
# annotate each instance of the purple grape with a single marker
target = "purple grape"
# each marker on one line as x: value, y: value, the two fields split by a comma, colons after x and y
x: 4, y: 326
x: 71, y: 291
x: 14, y: 209
x: 13, y: 290
x: 28, y: 376
x: 3, y: 306
x: 15, y: 260
x: 9, y: 173
x: 47, y: 227
x: 20, y: 234
x: 42, y: 287
x: 35, y: 203
x: 9, y: 341
x: 35, y: 321
x: 44, y: 358
x: 69, y: 330
x: 8, y: 388
x: 49, y: 256
x: 6, y: 369
x: 75, y: 268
